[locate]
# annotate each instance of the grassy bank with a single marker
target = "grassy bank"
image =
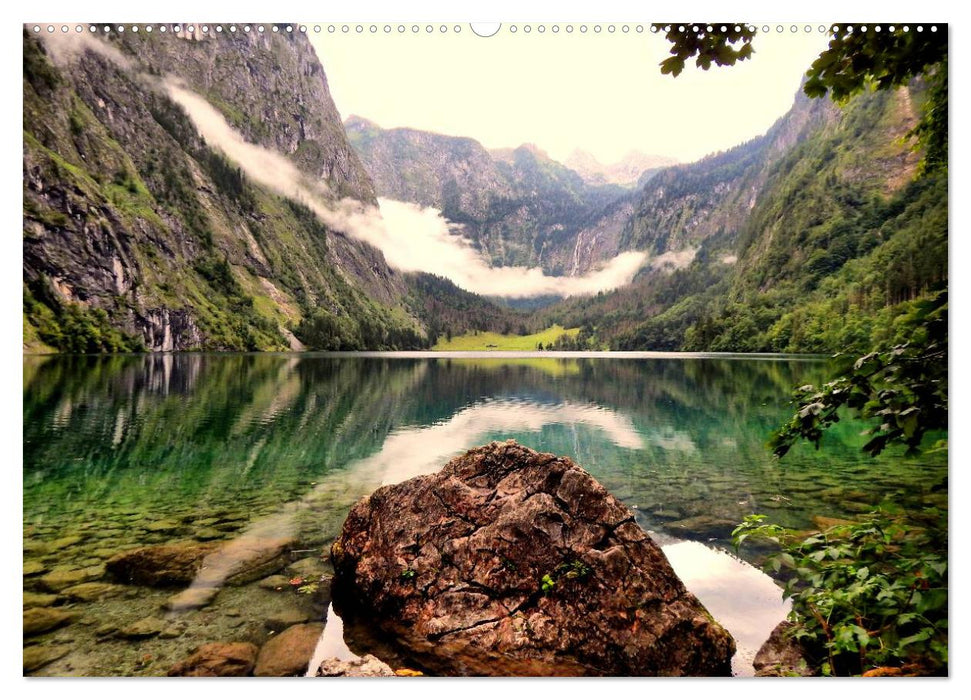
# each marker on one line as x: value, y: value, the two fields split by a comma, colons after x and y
x: 498, y: 341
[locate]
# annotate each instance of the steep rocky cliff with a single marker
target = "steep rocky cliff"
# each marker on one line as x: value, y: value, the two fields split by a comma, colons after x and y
x: 683, y: 206
x: 137, y: 233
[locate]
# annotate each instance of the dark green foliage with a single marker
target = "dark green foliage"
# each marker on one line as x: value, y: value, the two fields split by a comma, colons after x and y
x: 315, y: 229
x: 826, y: 261
x: 868, y: 594
x: 902, y: 390
x: 873, y: 593
x: 173, y: 118
x: 73, y: 328
x: 931, y: 132
x: 228, y: 178
x: 886, y: 59
x: 448, y: 310
x: 586, y: 339
x: 324, y: 329
x: 724, y: 45
x: 216, y: 271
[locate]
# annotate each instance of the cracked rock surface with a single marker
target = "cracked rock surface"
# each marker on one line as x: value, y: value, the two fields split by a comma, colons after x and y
x: 512, y: 562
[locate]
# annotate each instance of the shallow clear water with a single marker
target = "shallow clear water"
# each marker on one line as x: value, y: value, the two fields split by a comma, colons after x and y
x: 230, y: 449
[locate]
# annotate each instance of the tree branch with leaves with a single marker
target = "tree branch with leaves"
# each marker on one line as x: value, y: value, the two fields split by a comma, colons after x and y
x: 858, y: 57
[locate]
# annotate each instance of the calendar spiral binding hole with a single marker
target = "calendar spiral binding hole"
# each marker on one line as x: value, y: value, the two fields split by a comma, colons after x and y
x: 521, y: 29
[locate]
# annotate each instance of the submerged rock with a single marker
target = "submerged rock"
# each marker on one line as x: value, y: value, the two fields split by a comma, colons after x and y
x: 703, y: 526
x: 218, y: 659
x: 39, y: 600
x: 312, y: 568
x: 59, y: 579
x: 63, y: 543
x: 144, y: 628
x: 511, y: 562
x: 245, y: 559
x: 37, y: 620
x: 92, y: 591
x: 159, y: 565
x: 289, y: 653
x: 367, y: 666
x: 192, y: 598
x: 162, y: 526
x: 276, y: 582
x: 33, y: 567
x: 824, y: 522
x: 38, y: 656
x: 286, y: 618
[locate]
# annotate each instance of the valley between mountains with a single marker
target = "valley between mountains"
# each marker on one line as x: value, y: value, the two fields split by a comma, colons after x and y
x: 206, y: 195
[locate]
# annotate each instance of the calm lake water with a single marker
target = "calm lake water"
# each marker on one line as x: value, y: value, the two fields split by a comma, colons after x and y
x: 222, y: 448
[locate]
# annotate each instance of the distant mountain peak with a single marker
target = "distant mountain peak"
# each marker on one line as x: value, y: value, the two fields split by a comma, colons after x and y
x: 627, y: 171
x: 535, y: 150
x: 357, y: 122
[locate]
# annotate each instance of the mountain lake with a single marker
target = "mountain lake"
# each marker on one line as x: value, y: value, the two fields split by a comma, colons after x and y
x: 230, y: 449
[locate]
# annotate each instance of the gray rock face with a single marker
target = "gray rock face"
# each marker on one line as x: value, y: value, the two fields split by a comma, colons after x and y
x: 273, y: 88
x: 782, y: 656
x: 511, y: 562
x: 120, y: 190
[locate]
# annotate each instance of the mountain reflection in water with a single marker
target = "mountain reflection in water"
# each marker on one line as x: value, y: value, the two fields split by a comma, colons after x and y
x: 130, y: 450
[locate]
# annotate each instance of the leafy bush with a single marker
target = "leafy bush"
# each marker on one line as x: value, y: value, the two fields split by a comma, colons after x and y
x: 873, y: 593
x: 903, y: 390
x: 868, y: 594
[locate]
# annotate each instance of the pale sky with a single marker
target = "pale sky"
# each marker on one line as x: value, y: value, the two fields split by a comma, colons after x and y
x: 603, y: 93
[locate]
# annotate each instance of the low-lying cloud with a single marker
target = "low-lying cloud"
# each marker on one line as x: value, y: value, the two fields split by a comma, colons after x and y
x: 416, y: 238
x: 674, y: 259
x: 412, y: 238
x: 65, y: 47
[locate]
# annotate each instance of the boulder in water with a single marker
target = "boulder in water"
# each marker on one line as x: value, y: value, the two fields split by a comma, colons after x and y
x: 509, y: 562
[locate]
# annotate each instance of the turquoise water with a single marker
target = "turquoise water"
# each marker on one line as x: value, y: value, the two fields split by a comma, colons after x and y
x: 130, y: 450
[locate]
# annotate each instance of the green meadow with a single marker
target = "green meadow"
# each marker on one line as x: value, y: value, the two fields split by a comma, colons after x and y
x: 496, y: 341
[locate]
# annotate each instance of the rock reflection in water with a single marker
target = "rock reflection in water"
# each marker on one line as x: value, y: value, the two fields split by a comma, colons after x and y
x: 743, y: 599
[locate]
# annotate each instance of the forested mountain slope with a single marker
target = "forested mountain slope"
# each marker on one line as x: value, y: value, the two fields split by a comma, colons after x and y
x: 838, y: 241
x: 139, y: 234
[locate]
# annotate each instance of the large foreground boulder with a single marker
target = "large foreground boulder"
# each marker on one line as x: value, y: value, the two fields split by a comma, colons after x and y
x: 510, y: 562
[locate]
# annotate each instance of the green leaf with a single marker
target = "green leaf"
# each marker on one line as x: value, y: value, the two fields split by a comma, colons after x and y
x: 672, y: 65
x: 921, y: 636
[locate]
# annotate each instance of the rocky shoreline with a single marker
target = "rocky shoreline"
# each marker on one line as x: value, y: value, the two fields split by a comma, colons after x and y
x: 558, y: 573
